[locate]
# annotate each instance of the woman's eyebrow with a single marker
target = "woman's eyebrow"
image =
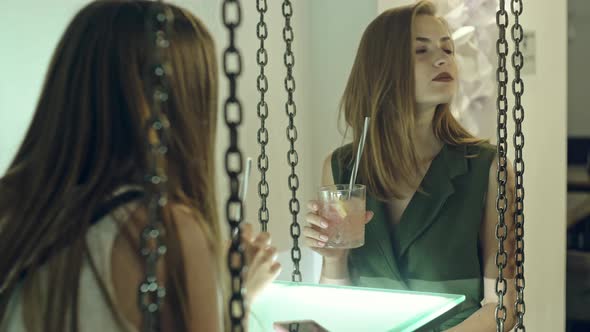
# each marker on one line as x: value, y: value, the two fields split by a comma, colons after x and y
x: 427, y: 40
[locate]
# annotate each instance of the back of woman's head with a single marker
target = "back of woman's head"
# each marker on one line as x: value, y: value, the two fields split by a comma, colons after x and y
x: 382, y: 85
x: 88, y: 134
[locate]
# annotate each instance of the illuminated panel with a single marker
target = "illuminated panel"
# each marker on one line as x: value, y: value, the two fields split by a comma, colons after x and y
x: 339, y: 308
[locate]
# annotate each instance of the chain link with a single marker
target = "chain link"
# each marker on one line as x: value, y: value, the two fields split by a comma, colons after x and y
x: 518, y: 115
x: 262, y: 108
x: 294, y: 327
x: 292, y: 156
x: 502, y: 176
x: 151, y: 293
x: 232, y: 67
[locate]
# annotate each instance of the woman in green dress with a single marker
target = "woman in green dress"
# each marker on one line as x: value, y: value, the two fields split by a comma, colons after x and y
x: 431, y: 185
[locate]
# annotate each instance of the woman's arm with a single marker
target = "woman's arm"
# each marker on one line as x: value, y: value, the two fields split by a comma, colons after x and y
x: 334, y: 261
x: 204, y: 291
x: 334, y: 269
x: 204, y: 288
x: 484, y: 319
x: 204, y: 307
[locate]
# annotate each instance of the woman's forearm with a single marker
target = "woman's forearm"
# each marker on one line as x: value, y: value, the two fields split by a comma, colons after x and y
x: 483, y: 320
x: 335, y: 272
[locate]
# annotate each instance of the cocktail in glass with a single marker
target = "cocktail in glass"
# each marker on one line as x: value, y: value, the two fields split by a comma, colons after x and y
x: 345, y: 212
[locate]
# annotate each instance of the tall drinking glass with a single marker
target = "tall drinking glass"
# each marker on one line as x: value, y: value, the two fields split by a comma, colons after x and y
x: 345, y: 212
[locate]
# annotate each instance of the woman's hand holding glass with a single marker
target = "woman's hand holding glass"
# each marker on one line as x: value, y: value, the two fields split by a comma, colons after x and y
x: 261, y: 261
x: 316, y: 233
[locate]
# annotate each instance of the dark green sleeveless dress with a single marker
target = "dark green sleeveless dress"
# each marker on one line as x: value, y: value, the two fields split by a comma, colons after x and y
x: 435, y: 246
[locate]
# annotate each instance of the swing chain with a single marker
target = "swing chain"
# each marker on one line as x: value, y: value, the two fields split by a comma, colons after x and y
x: 292, y: 156
x: 518, y: 114
x: 262, y: 107
x: 232, y: 67
x: 150, y: 292
x: 294, y: 327
x: 502, y: 175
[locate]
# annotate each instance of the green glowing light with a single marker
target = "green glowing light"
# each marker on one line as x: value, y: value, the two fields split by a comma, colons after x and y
x: 339, y: 308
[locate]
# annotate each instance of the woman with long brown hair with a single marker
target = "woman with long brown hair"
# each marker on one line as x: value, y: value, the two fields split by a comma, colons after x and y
x: 70, y: 212
x: 431, y: 185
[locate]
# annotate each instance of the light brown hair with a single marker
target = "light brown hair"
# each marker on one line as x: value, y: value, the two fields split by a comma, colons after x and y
x: 87, y: 139
x: 381, y: 85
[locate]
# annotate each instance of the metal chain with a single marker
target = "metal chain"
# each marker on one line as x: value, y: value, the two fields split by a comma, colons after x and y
x: 518, y: 115
x: 294, y: 327
x: 292, y: 156
x: 151, y: 293
x: 262, y: 85
x: 232, y: 67
x: 501, y: 202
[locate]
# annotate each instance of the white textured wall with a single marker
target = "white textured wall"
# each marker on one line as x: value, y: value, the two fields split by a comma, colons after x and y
x: 279, y: 170
x: 545, y: 102
x: 578, y: 68
x: 386, y: 4
x: 335, y: 31
x: 27, y: 44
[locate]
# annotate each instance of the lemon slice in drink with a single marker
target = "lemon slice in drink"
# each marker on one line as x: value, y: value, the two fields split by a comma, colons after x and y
x: 340, y: 209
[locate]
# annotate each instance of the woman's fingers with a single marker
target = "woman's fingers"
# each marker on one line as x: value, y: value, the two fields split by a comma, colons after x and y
x: 247, y: 232
x: 253, y: 247
x: 313, y: 206
x: 275, y: 268
x: 315, y: 234
x: 368, y: 216
x: 267, y: 256
x: 313, y: 237
x: 262, y: 240
x: 313, y: 243
x: 226, y: 246
x: 316, y: 220
x: 262, y: 270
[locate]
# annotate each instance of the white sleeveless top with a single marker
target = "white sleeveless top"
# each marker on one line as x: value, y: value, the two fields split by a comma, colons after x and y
x: 94, y: 311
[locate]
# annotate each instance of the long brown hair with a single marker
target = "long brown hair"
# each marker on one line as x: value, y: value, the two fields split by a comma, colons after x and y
x: 87, y: 138
x: 382, y: 85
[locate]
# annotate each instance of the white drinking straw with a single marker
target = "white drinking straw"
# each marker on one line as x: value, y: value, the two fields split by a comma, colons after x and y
x: 359, y: 152
x: 243, y: 188
x: 245, y: 179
